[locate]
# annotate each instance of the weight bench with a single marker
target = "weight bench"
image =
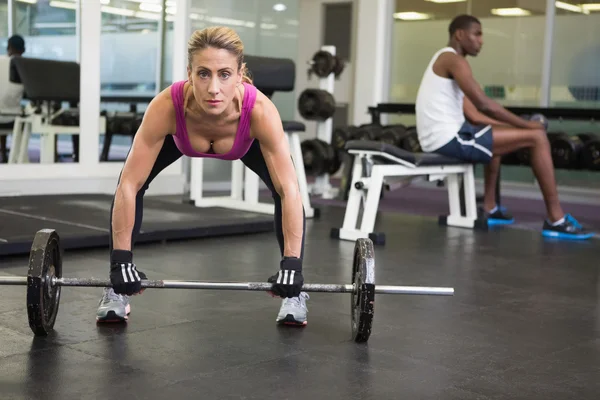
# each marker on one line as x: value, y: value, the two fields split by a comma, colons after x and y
x: 374, y: 161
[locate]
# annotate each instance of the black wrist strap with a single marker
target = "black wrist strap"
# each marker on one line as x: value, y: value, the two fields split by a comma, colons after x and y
x: 291, y: 263
x: 121, y: 256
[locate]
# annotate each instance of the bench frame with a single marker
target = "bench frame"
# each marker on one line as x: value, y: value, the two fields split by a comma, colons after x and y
x: 367, y: 182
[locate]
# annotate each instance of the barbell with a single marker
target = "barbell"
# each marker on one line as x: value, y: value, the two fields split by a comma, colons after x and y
x: 44, y: 282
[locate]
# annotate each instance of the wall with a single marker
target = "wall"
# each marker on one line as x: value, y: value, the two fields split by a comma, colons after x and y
x: 511, y: 56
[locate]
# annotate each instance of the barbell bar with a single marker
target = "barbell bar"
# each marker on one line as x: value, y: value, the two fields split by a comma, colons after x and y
x: 44, y: 281
x: 258, y: 286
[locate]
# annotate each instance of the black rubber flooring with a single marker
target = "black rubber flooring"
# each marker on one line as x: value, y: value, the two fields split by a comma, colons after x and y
x: 82, y: 221
x: 523, y: 324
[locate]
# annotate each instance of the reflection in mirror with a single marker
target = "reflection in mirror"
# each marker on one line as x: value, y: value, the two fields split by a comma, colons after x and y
x: 130, y: 43
x: 39, y: 117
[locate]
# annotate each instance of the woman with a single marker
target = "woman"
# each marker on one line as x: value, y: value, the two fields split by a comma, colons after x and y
x: 215, y: 113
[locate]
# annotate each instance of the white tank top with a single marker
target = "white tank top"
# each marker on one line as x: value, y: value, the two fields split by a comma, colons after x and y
x: 439, y: 108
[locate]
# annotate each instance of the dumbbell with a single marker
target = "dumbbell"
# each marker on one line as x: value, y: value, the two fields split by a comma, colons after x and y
x: 341, y: 135
x: 319, y: 157
x: 393, y: 134
x: 590, y: 152
x: 367, y: 132
x: 565, y: 150
x: 410, y: 142
x: 316, y: 105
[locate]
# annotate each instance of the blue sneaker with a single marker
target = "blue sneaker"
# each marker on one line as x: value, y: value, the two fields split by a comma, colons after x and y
x: 569, y: 228
x: 293, y: 310
x: 498, y: 216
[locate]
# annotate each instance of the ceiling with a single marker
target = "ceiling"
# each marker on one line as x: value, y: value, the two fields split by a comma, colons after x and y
x: 480, y: 8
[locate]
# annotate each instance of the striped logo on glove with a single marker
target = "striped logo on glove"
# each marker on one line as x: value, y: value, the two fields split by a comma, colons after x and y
x: 286, y: 277
x: 129, y: 273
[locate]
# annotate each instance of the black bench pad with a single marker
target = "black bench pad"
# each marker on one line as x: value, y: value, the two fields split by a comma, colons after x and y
x: 293, y: 126
x: 418, y: 159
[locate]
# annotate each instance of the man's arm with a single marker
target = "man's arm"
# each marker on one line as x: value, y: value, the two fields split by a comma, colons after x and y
x: 268, y: 130
x: 458, y: 68
x: 477, y: 118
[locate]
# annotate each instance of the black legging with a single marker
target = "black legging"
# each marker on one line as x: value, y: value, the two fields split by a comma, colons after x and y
x: 169, y: 153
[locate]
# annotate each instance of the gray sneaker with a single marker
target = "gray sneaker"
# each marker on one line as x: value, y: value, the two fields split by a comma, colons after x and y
x: 293, y: 310
x: 113, y: 307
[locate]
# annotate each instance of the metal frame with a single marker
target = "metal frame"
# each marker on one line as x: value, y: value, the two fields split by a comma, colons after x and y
x: 366, y: 194
x: 245, y: 185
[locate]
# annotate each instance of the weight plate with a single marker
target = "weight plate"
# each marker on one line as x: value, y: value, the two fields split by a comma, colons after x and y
x: 45, y: 262
x: 324, y: 63
x: 363, y: 296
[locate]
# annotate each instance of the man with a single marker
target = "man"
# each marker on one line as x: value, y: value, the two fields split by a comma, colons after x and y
x: 455, y: 118
x: 11, y: 90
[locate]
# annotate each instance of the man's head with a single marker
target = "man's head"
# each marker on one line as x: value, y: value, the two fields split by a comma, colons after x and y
x: 465, y: 31
x: 16, y: 46
x: 215, y: 67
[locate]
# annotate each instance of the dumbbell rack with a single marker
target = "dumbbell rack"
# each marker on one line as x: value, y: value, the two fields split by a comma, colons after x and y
x: 322, y: 186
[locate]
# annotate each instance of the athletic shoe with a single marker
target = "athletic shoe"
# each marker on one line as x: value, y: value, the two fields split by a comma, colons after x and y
x: 568, y: 228
x: 293, y: 310
x: 113, y: 307
x: 498, y: 216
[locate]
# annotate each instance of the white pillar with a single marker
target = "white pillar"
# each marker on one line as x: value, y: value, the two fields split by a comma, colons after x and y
x: 373, y: 24
x: 89, y: 108
x: 181, y: 34
x: 546, y: 83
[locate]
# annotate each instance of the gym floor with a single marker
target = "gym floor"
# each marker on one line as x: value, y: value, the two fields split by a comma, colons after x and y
x: 523, y: 323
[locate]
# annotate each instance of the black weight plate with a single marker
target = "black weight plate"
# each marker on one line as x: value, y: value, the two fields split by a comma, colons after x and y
x: 45, y: 262
x: 324, y: 63
x: 363, y: 296
x: 565, y: 150
x: 590, y: 155
x: 314, y: 156
x: 339, y: 66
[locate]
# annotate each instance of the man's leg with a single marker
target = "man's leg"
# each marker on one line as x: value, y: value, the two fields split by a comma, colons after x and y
x: 114, y: 307
x: 490, y: 175
x: 293, y: 310
x: 505, y: 141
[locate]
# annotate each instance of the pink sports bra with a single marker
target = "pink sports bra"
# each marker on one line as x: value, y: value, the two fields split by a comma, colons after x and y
x: 242, y: 141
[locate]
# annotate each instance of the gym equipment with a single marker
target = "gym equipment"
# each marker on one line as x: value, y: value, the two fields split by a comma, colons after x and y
x: 410, y: 142
x: 44, y: 281
x: 341, y: 135
x: 565, y: 150
x: 339, y: 66
x: 319, y: 157
x: 393, y: 134
x: 590, y: 153
x: 46, y: 92
x: 367, y: 132
x: 325, y: 63
x: 316, y: 105
x: 319, y: 104
x: 375, y: 161
x: 541, y: 118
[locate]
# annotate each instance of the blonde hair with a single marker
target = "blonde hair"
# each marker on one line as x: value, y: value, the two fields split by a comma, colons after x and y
x: 219, y: 37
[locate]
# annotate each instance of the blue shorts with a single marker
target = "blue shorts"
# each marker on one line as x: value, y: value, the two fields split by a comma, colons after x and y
x: 472, y: 143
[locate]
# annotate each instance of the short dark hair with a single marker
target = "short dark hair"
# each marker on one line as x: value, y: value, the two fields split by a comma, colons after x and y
x: 463, y: 21
x: 17, y: 43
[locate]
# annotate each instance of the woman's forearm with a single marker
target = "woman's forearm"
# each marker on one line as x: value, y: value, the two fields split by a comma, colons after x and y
x: 123, y: 217
x: 292, y: 223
